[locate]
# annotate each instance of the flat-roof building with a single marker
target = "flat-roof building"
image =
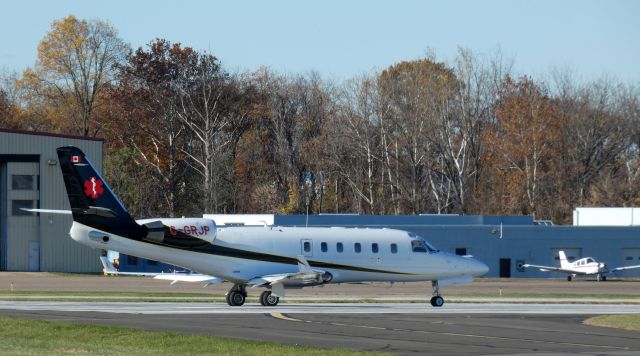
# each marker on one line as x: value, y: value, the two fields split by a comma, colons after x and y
x: 504, y: 243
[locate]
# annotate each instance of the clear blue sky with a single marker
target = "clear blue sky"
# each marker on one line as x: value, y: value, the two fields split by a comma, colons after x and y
x: 342, y: 38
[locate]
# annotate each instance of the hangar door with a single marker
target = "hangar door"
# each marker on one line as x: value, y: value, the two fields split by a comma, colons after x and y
x: 20, y: 245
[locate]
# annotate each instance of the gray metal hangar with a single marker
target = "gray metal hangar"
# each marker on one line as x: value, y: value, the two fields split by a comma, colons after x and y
x: 30, y: 178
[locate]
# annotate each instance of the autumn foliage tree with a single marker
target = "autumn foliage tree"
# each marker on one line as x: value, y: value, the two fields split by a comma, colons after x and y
x: 185, y: 136
x: 526, y: 147
x: 75, y: 62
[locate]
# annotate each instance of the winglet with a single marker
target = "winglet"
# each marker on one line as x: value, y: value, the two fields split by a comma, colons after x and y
x: 107, y: 266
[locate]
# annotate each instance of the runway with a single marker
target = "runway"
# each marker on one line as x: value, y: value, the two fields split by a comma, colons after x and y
x: 160, y: 308
x: 402, y: 328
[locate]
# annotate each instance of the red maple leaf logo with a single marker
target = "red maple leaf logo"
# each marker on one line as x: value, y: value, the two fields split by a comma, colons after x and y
x: 93, y: 187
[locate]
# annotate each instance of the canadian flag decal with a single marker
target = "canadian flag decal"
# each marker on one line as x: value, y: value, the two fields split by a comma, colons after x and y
x: 76, y: 159
x: 93, y: 187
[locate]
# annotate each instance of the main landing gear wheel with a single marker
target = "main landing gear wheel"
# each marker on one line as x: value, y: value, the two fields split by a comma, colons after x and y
x: 569, y: 278
x: 268, y: 300
x: 236, y: 296
x: 437, y: 301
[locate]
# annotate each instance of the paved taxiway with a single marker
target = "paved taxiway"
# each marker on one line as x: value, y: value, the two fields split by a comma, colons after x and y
x: 403, y: 328
x: 160, y: 308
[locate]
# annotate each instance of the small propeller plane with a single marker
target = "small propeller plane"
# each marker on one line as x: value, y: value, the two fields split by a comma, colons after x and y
x: 583, y: 266
x: 270, y: 257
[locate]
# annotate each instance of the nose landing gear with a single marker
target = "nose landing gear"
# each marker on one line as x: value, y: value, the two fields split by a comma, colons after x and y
x: 436, y: 300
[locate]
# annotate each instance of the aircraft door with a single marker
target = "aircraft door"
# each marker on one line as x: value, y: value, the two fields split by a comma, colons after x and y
x: 306, y: 247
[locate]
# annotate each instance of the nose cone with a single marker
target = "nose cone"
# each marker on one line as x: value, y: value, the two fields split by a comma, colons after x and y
x: 477, y: 268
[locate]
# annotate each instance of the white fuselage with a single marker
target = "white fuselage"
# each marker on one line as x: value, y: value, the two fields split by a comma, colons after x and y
x: 262, y: 250
x: 587, y: 265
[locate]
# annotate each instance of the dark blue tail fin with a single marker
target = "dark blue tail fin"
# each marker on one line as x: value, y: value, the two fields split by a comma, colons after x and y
x: 92, y: 201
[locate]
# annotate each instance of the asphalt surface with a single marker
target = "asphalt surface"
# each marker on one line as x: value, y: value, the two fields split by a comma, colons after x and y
x: 401, y: 328
x: 177, y: 308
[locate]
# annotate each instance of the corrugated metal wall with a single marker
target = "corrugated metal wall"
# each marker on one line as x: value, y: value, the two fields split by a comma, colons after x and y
x: 22, y: 193
x: 58, y: 252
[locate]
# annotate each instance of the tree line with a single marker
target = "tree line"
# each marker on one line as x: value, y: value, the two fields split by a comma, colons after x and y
x: 184, y: 136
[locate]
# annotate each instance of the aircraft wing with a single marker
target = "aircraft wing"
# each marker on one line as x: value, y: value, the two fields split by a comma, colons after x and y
x: 181, y: 277
x: 108, y: 268
x: 48, y: 211
x: 549, y: 268
x: 624, y: 268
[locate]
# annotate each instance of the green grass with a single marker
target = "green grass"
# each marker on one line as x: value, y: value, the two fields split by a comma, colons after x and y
x: 627, y: 321
x: 37, y: 337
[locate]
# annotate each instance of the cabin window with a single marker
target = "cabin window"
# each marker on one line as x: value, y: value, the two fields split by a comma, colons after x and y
x: 307, y: 246
x: 394, y: 248
x: 339, y: 247
x: 357, y: 247
x: 374, y: 247
x: 323, y: 247
x: 418, y: 246
x: 628, y: 258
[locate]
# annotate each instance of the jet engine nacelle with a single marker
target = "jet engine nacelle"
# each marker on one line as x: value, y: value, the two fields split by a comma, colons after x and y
x: 185, y: 232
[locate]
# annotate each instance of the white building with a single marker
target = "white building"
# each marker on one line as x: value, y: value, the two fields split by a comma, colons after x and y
x: 606, y: 217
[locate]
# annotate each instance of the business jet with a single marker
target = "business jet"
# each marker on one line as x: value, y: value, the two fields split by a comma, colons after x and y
x: 269, y: 257
x: 583, y: 266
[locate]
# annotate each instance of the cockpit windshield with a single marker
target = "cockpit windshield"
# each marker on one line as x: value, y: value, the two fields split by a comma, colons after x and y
x: 419, y: 244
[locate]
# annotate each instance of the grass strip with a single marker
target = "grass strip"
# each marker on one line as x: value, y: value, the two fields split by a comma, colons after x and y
x: 38, y: 337
x: 626, y: 321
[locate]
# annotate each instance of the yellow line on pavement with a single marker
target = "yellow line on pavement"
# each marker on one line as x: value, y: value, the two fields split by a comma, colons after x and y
x: 279, y: 315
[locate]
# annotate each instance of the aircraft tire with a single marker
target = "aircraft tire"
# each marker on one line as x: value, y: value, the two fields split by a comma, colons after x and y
x: 437, y: 301
x: 236, y: 298
x: 268, y: 300
x: 604, y: 278
x: 226, y: 297
x: 568, y: 278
